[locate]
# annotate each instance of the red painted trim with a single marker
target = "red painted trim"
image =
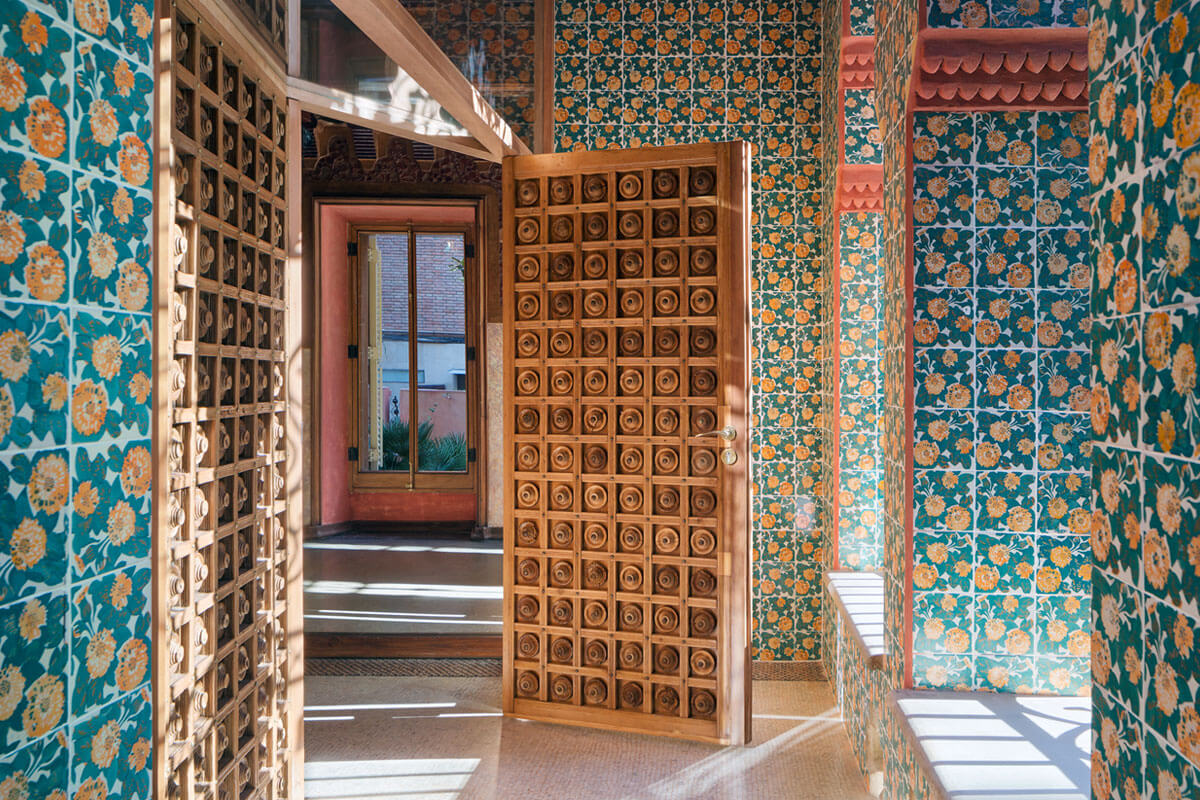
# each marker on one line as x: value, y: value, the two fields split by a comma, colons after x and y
x: 987, y: 69
x: 861, y: 187
x: 858, y: 62
x: 909, y: 374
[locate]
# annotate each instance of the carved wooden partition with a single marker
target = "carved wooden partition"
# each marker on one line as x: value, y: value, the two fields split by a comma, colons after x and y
x: 626, y: 542
x: 226, y: 691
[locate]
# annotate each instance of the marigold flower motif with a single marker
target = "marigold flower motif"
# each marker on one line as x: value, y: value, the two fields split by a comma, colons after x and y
x: 102, y: 119
x: 45, y: 273
x: 93, y: 16
x: 49, y: 484
x: 15, y: 355
x: 99, y: 653
x: 45, y: 128
x: 12, y: 688
x: 89, y: 407
x: 33, y: 617
x: 27, y: 545
x: 43, y: 706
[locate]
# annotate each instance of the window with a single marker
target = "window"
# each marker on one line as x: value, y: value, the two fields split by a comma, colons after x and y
x: 415, y: 355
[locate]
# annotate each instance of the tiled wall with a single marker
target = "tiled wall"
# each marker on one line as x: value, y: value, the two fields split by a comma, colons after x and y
x: 896, y: 30
x: 1145, y: 409
x: 831, y: 155
x: 1001, y: 574
x: 75, y: 367
x: 632, y: 73
x: 1006, y: 13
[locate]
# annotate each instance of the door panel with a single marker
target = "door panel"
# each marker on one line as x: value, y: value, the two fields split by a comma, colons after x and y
x: 626, y: 538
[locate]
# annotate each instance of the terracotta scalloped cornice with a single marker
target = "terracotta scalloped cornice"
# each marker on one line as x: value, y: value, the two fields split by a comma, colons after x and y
x: 861, y: 187
x: 1002, y: 69
x: 858, y: 62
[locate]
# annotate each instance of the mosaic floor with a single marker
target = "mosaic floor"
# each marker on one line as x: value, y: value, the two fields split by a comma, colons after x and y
x: 422, y: 738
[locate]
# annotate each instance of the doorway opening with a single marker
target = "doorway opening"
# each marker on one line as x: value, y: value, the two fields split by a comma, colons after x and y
x: 399, y: 484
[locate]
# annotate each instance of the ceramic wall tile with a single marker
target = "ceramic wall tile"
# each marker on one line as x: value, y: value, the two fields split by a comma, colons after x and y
x: 724, y: 71
x: 1144, y: 171
x: 74, y: 394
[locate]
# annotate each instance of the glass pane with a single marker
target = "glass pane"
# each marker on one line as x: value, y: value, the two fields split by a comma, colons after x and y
x: 387, y: 359
x: 336, y: 54
x: 441, y: 353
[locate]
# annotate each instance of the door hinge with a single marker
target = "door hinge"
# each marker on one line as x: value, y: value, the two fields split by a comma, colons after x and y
x: 471, y: 353
x: 469, y: 250
x: 352, y: 351
x: 352, y: 454
x: 470, y: 455
x: 352, y: 249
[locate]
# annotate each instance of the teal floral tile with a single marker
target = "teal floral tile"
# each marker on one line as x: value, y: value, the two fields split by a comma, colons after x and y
x: 1171, y: 690
x: 111, y: 507
x: 1169, y: 773
x: 33, y: 520
x: 33, y: 376
x: 125, y: 24
x: 1004, y: 562
x: 1004, y: 624
x: 1062, y: 138
x: 944, y: 500
x: 1171, y: 224
x: 1170, y: 96
x: 1063, y: 502
x: 942, y: 672
x: 33, y: 228
x: 1005, y: 196
x: 1006, y: 440
x: 110, y: 645
x: 945, y: 378
x: 1005, y: 257
x: 1063, y: 380
x: 1062, y: 197
x: 1061, y: 675
x: 37, y: 770
x: 943, y: 439
x: 1064, y: 629
x: 1117, y: 749
x: 943, y: 196
x: 1114, y: 124
x: 1171, y: 537
x: 1005, y: 138
x: 1064, y: 442
x: 943, y: 317
x: 942, y: 560
x: 1115, y: 248
x: 1063, y: 259
x: 111, y: 377
x: 942, y: 623
x: 112, y: 115
x: 111, y: 245
x: 1005, y: 379
x: 1170, y: 411
x: 1063, y: 565
x: 1116, y: 530
x: 34, y: 73
x: 1116, y: 385
x: 1004, y: 319
x: 1118, y: 620
x: 943, y: 137
x: 112, y: 749
x: 33, y: 677
x: 1063, y: 319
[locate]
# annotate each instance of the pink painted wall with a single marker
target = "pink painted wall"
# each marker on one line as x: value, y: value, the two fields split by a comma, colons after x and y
x: 338, y: 503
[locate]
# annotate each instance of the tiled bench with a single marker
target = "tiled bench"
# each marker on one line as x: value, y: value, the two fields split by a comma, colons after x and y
x: 984, y: 746
x: 855, y: 658
x: 859, y: 599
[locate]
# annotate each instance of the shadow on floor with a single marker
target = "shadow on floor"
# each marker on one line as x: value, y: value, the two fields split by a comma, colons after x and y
x: 445, y: 739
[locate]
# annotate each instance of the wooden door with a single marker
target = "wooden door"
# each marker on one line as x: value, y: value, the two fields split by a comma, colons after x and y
x: 627, y: 532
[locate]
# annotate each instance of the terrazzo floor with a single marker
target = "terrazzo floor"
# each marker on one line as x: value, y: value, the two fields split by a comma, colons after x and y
x: 422, y: 738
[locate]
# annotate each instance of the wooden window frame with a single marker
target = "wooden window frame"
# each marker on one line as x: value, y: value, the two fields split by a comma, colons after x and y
x: 357, y: 335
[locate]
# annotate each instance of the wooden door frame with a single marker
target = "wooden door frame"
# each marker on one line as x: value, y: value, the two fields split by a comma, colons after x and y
x: 395, y: 481
x: 485, y: 229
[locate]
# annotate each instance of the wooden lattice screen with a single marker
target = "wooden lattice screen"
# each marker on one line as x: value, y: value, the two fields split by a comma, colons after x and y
x: 626, y: 540
x: 225, y: 726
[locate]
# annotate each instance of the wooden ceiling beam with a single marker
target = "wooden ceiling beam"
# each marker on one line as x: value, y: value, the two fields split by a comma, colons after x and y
x: 404, y: 41
x: 383, y: 117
